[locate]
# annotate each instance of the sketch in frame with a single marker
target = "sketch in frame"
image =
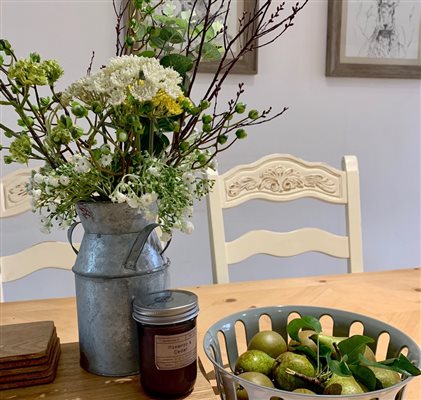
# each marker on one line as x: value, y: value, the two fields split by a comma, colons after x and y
x: 374, y: 38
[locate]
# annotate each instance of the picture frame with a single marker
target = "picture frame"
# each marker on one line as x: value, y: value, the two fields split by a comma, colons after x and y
x: 374, y: 39
x: 249, y: 62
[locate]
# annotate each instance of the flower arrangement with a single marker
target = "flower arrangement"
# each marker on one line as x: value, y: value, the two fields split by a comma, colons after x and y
x: 131, y: 132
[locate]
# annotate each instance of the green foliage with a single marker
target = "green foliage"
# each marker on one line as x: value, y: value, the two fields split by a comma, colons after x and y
x: 348, y: 358
x: 306, y: 322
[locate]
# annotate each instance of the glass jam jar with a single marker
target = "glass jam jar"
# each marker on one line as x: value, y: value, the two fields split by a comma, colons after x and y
x: 166, y: 325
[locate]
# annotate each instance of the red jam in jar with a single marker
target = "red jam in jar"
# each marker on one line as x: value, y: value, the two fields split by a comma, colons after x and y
x: 166, y: 325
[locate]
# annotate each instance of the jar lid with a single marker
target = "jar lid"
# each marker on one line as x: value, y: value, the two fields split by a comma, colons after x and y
x: 165, y: 307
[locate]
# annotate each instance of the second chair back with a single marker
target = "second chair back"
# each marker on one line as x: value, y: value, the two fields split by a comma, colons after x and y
x: 280, y: 178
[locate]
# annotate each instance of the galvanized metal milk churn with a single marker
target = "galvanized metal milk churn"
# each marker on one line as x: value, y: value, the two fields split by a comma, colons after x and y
x: 120, y: 257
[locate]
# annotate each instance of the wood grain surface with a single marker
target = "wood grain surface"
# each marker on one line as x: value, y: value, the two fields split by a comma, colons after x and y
x: 72, y: 382
x: 390, y: 296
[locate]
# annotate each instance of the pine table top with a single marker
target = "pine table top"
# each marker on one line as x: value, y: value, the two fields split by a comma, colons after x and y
x: 392, y: 296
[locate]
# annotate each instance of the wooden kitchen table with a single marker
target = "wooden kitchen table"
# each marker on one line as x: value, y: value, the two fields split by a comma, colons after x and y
x: 390, y: 296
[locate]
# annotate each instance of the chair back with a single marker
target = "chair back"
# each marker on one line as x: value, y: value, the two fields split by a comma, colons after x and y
x: 280, y: 178
x: 14, y: 200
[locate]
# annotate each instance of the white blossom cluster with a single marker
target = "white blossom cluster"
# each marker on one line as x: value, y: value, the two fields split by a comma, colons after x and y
x: 160, y: 193
x: 142, y: 77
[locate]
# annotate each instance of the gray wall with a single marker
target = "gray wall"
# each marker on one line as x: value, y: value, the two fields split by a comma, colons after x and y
x: 376, y: 119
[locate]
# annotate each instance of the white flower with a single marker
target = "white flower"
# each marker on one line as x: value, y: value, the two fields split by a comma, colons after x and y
x: 52, y: 181
x: 148, y: 198
x: 119, y: 197
x: 153, y: 171
x: 36, y: 194
x: 82, y: 165
x: 106, y: 159
x: 64, y: 180
x: 52, y: 207
x: 38, y: 178
x: 187, y: 227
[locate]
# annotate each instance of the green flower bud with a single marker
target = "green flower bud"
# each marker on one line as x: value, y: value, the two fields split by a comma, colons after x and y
x: 8, y: 134
x: 202, y: 159
x: 1, y: 60
x: 52, y: 70
x: 26, y: 121
x: 59, y: 136
x: 130, y: 41
x: 222, y: 139
x: 195, y: 110
x: 253, y: 114
x: 176, y: 126
x: 206, y: 128
x: 76, y: 132
x: 8, y: 159
x: 4, y: 44
x: 35, y: 57
x: 207, y: 119
x: 44, y: 101
x: 105, y: 149
x: 65, y: 121
x: 96, y: 107
x: 122, y: 136
x: 204, y: 104
x: 240, y: 108
x: 184, y: 146
x: 79, y: 111
x: 20, y: 149
x: 240, y: 133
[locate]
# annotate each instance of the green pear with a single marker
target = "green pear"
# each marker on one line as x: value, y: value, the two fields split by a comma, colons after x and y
x: 254, y: 361
x: 254, y: 377
x: 295, y: 362
x: 270, y: 342
x: 329, y: 340
x: 343, y: 385
x: 303, y: 390
x: 386, y: 377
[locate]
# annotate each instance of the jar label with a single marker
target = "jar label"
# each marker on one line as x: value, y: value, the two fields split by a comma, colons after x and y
x: 176, y: 351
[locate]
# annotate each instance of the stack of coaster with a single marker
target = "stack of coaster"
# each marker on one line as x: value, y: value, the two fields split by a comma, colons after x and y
x: 29, y: 354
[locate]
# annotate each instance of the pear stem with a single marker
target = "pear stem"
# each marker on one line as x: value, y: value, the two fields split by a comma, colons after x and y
x: 313, y: 380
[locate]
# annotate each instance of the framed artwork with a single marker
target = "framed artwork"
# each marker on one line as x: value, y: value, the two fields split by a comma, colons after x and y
x: 248, y: 63
x: 374, y: 38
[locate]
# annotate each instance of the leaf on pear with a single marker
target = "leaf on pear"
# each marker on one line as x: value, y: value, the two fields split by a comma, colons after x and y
x: 306, y: 322
x: 364, y: 375
x: 338, y: 367
x: 400, y: 364
x: 354, y: 346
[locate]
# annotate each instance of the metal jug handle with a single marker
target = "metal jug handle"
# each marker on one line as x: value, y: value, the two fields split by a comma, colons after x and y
x: 70, y: 234
x: 138, y: 245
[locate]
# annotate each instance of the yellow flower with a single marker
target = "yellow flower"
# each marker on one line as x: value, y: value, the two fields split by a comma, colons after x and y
x: 165, y: 105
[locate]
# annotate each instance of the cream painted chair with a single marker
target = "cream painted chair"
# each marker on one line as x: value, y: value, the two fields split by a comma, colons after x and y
x: 14, y: 201
x: 280, y: 178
